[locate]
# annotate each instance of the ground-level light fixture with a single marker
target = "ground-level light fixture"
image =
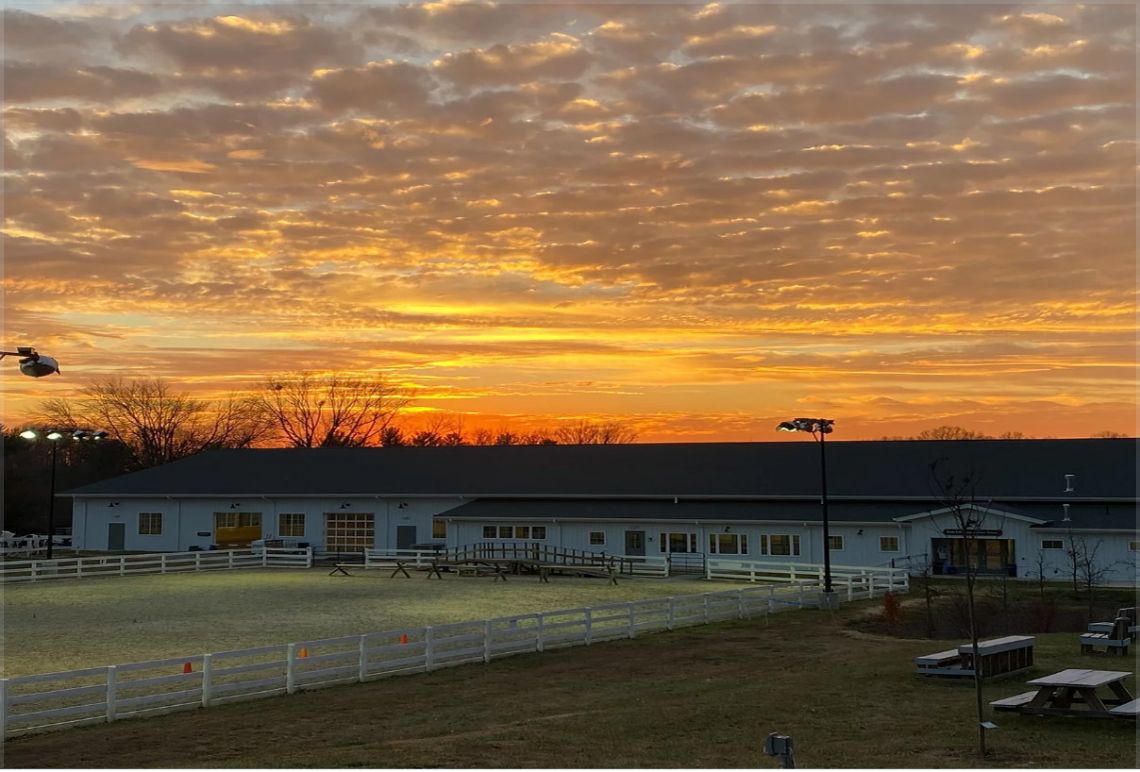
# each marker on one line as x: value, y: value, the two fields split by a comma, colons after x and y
x: 54, y: 436
x: 32, y: 363
x: 818, y: 428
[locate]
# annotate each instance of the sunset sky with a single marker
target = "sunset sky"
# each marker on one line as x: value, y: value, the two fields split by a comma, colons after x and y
x: 700, y: 219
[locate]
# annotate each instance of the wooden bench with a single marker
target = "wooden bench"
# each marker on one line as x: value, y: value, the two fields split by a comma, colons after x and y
x: 940, y: 664
x: 1015, y: 702
x: 1115, y: 641
x: 1127, y: 710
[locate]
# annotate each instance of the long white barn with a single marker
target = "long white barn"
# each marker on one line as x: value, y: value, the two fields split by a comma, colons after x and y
x: 1035, y: 500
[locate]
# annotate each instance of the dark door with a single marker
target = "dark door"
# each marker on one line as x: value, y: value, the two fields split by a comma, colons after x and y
x: 635, y: 542
x: 405, y: 537
x: 116, y: 535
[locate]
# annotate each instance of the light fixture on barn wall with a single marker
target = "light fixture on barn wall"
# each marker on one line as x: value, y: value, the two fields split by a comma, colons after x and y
x: 345, y: 505
x: 113, y: 504
x: 402, y: 505
x: 860, y: 532
x: 235, y: 505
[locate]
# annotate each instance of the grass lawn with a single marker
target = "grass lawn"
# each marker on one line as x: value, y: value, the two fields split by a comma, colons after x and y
x: 698, y: 697
x: 69, y: 624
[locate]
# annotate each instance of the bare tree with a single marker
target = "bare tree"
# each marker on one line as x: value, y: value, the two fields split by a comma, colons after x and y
x: 957, y: 495
x: 1108, y: 434
x: 311, y: 412
x: 157, y: 424
x: 585, y: 432
x: 950, y: 433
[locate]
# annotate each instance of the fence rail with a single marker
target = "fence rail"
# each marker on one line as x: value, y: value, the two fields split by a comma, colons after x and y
x: 154, y: 563
x: 852, y: 581
x: 100, y: 694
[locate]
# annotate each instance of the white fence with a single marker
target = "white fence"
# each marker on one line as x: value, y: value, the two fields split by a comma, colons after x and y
x: 850, y: 581
x: 100, y: 694
x: 156, y: 563
x: 640, y: 565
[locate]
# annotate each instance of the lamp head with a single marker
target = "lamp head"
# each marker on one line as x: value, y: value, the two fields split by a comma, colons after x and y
x: 786, y: 426
x: 29, y: 434
x: 36, y: 365
x: 54, y: 434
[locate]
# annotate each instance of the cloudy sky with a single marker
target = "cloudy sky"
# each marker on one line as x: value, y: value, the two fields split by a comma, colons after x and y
x: 700, y: 219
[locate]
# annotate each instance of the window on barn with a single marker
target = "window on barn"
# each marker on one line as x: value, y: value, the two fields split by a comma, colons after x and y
x: 728, y: 543
x: 349, y: 531
x: 438, y: 528
x: 489, y: 531
x: 225, y: 519
x: 506, y: 532
x: 835, y: 542
x: 888, y: 544
x: 538, y: 532
x: 150, y: 523
x: 522, y: 531
x: 678, y: 542
x: 783, y: 544
x: 1053, y: 544
x: 597, y: 538
x: 1134, y: 546
x: 291, y: 524
x: 249, y: 519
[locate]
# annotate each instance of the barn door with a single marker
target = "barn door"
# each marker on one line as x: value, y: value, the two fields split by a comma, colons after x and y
x: 405, y: 537
x: 116, y: 536
x: 635, y: 542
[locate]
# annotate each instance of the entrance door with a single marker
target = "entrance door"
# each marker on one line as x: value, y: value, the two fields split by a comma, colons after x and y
x: 116, y: 535
x: 405, y: 537
x: 635, y: 542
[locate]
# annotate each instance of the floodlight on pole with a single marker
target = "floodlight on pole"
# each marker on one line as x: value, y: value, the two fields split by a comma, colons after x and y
x: 54, y: 436
x: 818, y: 428
x: 32, y: 363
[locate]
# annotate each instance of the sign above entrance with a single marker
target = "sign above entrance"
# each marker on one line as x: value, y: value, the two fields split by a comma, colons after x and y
x: 973, y: 531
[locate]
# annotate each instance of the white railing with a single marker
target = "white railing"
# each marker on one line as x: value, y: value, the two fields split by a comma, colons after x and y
x: 646, y: 565
x: 153, y: 563
x: 100, y: 694
x: 852, y: 581
x: 387, y: 558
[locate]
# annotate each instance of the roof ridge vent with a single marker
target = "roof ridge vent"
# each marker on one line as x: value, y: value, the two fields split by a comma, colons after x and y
x: 1066, y: 518
x: 1069, y: 483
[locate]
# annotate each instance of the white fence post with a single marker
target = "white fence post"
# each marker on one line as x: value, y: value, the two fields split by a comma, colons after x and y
x: 230, y: 554
x: 429, y: 649
x: 363, y: 659
x: 123, y: 565
x: 308, y: 557
x: 291, y: 669
x: 112, y: 690
x: 197, y: 561
x: 33, y: 570
x: 540, y: 639
x: 672, y: 609
x: 589, y: 627
x: 207, y: 674
x: 705, y: 607
x: 162, y: 564
x: 632, y: 625
x: 78, y: 567
x: 264, y: 556
x: 486, y: 641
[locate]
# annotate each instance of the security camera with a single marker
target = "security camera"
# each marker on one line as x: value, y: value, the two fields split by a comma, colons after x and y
x: 38, y: 365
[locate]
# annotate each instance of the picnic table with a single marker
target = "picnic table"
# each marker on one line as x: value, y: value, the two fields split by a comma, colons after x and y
x: 1073, y: 692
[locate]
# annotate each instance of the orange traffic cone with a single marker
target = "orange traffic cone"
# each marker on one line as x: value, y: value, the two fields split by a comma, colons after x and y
x: 403, y: 638
x: 187, y: 668
x: 303, y: 652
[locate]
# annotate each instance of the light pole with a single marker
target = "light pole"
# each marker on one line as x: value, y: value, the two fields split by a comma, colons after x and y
x: 31, y: 363
x: 54, y: 436
x: 819, y: 428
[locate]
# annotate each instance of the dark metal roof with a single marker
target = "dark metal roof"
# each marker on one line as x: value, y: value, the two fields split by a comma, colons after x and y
x: 1006, y: 469
x: 1116, y: 516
